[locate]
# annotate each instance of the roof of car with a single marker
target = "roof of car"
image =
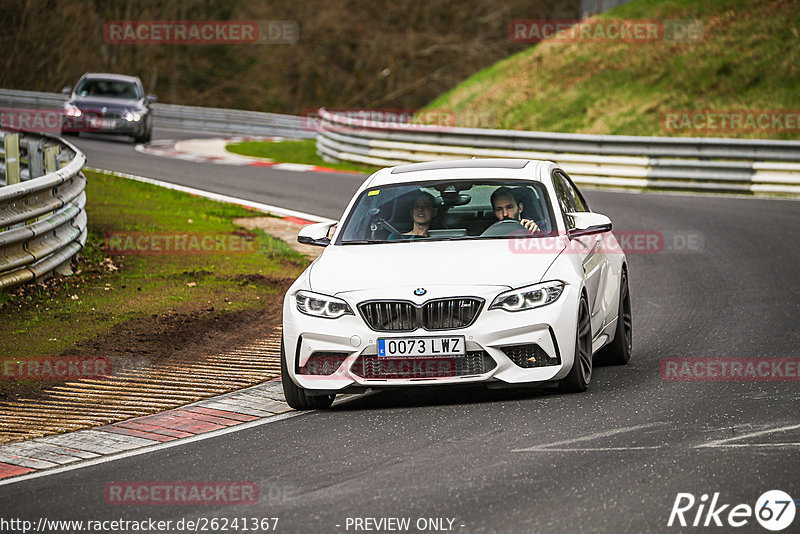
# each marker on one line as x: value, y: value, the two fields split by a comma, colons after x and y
x: 462, y: 164
x: 110, y: 76
x: 454, y: 169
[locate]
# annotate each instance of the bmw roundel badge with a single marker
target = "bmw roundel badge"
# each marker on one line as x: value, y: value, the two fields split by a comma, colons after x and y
x: 420, y: 291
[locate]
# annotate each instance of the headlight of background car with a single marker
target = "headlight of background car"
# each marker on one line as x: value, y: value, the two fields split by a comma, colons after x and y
x: 72, y: 111
x: 529, y: 297
x: 132, y: 116
x: 321, y: 305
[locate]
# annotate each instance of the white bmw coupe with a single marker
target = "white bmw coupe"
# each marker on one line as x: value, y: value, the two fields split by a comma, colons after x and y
x: 492, y: 271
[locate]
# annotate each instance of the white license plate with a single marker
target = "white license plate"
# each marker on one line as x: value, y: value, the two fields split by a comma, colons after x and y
x: 105, y: 124
x: 421, y: 346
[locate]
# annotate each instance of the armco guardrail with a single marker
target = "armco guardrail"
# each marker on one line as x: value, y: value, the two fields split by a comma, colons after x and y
x: 228, y: 121
x: 42, y: 200
x: 696, y: 163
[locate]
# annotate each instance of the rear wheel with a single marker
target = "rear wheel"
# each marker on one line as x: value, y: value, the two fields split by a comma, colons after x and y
x: 581, y: 373
x: 618, y: 352
x: 296, y: 397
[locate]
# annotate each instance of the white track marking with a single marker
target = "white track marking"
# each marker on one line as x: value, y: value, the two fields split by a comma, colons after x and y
x: 595, y: 449
x: 724, y: 442
x: 607, y: 433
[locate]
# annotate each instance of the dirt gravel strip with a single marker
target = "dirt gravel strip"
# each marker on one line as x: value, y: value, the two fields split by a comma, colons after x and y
x: 139, y: 391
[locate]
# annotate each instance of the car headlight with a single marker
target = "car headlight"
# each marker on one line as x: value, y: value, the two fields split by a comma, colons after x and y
x: 72, y: 111
x: 132, y: 116
x: 529, y: 297
x: 318, y: 305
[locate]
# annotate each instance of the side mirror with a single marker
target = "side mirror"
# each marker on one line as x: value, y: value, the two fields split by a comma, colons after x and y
x: 588, y: 223
x: 149, y: 99
x: 316, y: 234
x: 66, y: 90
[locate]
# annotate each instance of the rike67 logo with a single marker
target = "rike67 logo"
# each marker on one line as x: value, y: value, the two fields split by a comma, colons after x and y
x: 774, y: 510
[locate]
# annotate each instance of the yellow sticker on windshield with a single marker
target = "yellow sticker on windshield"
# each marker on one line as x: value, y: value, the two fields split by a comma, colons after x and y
x: 376, y: 192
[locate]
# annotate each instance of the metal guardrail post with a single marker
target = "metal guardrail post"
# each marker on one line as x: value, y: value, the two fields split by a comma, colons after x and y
x: 63, y: 157
x: 50, y: 154
x: 11, y: 145
x: 35, y: 158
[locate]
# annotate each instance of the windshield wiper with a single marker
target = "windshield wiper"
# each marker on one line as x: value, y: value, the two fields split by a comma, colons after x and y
x: 364, y: 242
x: 459, y: 237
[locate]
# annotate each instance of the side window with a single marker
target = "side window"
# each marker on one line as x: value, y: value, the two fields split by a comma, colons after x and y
x: 571, y: 194
x: 566, y: 199
x: 579, y: 200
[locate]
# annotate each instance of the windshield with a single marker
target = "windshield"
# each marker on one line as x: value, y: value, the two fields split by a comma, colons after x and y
x: 108, y: 88
x: 449, y: 210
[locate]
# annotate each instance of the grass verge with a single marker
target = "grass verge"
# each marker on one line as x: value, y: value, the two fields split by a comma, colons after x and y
x: 746, y: 59
x: 224, y: 269
x: 300, y: 151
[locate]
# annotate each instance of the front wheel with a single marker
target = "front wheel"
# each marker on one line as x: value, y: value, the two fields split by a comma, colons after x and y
x: 146, y: 137
x: 581, y: 373
x: 296, y: 397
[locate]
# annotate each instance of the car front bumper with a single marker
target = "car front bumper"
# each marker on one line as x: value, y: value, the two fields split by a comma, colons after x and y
x: 104, y: 125
x: 552, y: 328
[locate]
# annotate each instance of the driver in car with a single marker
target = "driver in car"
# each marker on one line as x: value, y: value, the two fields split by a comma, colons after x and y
x: 507, y: 207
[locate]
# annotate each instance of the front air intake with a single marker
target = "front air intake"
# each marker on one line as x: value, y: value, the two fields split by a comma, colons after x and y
x: 323, y: 363
x: 376, y: 367
x: 529, y: 356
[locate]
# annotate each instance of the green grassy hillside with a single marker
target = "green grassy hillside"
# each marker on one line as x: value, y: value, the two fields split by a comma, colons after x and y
x: 748, y: 58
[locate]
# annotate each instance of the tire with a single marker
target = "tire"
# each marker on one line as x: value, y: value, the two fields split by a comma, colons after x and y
x: 145, y: 138
x: 581, y: 373
x: 296, y: 397
x: 618, y: 352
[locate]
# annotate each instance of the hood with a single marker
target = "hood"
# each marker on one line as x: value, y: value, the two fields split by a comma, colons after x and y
x: 488, y: 262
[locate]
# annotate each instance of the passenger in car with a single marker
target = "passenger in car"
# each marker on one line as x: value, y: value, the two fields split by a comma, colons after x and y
x: 507, y: 206
x: 423, y: 212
